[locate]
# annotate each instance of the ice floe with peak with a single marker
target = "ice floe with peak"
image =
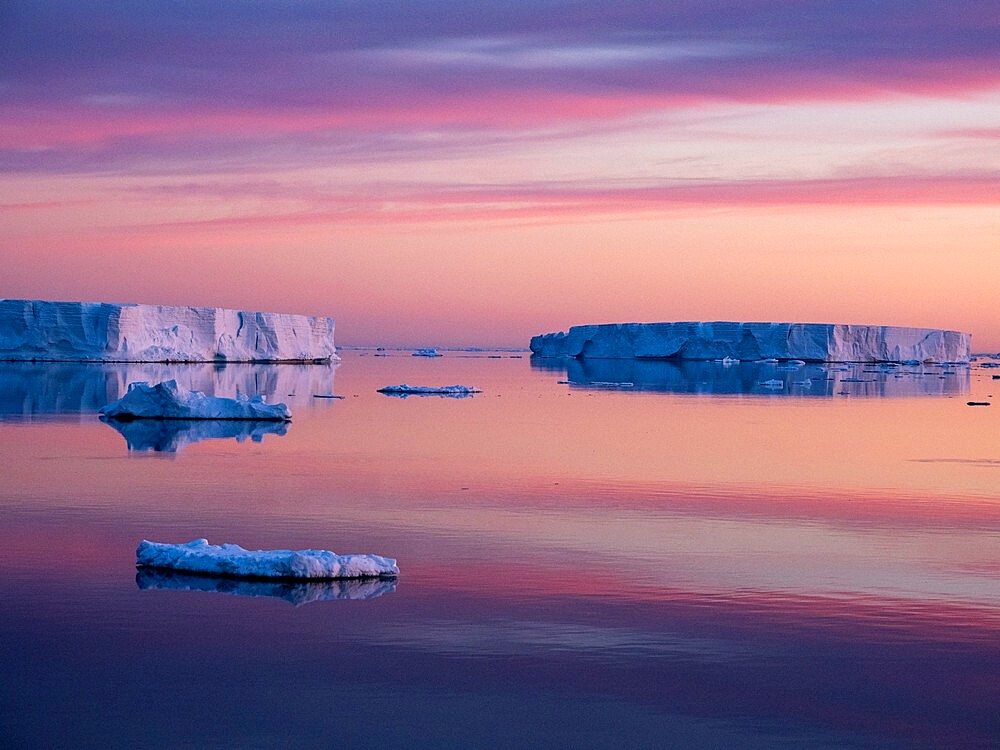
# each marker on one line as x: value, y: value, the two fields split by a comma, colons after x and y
x: 170, y: 400
x: 814, y: 342
x: 296, y: 592
x: 428, y: 390
x: 107, y: 332
x: 198, y: 556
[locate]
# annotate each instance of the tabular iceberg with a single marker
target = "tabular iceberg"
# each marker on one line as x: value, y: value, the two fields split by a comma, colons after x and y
x: 814, y: 342
x: 105, y: 332
x: 172, y: 401
x: 198, y: 556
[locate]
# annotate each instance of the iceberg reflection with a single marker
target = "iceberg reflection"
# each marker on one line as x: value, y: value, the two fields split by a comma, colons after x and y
x: 171, y: 435
x: 31, y: 389
x: 296, y: 592
x: 763, y: 378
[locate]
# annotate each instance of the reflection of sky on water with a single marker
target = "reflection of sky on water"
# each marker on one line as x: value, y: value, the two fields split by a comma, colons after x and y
x: 296, y: 592
x: 579, y: 568
x: 761, y: 378
x: 171, y: 435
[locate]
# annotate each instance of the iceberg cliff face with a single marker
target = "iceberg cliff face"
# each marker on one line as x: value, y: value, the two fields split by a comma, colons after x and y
x: 817, y: 342
x: 104, y: 332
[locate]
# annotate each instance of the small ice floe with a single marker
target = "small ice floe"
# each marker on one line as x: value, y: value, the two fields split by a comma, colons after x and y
x: 728, y: 361
x: 610, y: 384
x: 198, y: 556
x: 430, y: 352
x: 169, y: 400
x: 768, y: 361
x: 428, y: 390
x: 773, y: 384
x: 807, y: 383
x: 296, y: 592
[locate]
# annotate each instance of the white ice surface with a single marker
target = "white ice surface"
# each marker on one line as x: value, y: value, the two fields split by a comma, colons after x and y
x: 427, y: 353
x: 756, y: 341
x: 198, y: 556
x: 453, y: 390
x: 94, y: 331
x: 172, y: 401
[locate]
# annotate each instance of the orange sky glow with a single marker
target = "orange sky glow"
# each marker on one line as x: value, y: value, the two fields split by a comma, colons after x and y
x: 475, y: 187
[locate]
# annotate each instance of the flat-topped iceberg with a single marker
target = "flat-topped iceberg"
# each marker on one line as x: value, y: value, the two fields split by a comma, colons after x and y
x: 429, y: 390
x: 106, y: 332
x: 430, y: 352
x: 198, y: 556
x: 296, y: 592
x: 172, y: 401
x: 747, y: 342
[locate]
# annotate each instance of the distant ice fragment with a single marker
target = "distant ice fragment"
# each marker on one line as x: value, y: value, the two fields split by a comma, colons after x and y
x: 773, y: 384
x: 426, y: 353
x: 168, y: 400
x: 296, y: 592
x: 423, y: 390
x: 198, y: 556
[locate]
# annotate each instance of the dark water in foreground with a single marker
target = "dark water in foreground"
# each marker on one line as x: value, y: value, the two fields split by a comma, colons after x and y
x: 654, y: 557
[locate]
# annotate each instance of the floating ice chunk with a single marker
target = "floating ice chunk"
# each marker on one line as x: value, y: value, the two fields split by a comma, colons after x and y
x: 169, y: 400
x: 427, y: 353
x: 610, y: 384
x: 774, y: 384
x: 428, y: 390
x: 296, y: 592
x: 198, y: 556
x: 807, y: 383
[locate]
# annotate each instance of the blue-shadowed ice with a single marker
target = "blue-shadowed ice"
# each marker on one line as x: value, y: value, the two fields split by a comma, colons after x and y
x: 296, y: 592
x: 198, y: 556
x: 106, y: 332
x: 171, y: 400
x: 427, y: 353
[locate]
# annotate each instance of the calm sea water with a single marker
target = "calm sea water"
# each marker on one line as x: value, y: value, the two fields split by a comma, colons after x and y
x: 592, y: 555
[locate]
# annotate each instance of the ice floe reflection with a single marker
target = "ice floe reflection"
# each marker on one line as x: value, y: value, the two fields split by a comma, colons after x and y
x: 763, y: 378
x: 296, y: 592
x: 171, y: 435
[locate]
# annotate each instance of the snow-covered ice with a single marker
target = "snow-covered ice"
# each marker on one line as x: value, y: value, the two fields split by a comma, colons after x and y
x: 172, y: 401
x: 198, y: 556
x: 296, y: 592
x: 427, y: 390
x: 427, y: 353
x: 814, y: 342
x: 106, y: 332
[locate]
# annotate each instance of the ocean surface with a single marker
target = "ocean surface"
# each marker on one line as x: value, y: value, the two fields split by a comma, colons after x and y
x: 599, y: 554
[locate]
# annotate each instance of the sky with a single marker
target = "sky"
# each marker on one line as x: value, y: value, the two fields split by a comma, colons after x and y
x: 471, y: 174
